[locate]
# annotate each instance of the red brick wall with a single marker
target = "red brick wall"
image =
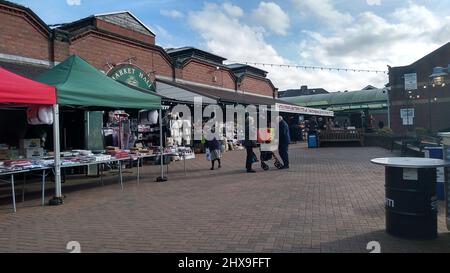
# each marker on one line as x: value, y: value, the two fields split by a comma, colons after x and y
x: 99, y: 50
x: 378, y: 116
x: 204, y: 73
x: 425, y: 104
x: 62, y: 50
x: 250, y: 84
x: 125, y: 32
x: 20, y: 35
x: 178, y: 73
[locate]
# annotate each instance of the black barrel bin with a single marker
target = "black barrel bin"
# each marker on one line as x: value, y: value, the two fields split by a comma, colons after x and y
x: 411, y: 205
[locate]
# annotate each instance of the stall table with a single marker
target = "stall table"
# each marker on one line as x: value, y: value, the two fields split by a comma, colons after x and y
x: 11, y: 181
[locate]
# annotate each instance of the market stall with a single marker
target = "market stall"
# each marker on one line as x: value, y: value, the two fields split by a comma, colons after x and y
x: 17, y: 92
x: 79, y: 85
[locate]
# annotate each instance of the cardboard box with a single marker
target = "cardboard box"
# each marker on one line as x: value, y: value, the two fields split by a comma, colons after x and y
x: 6, y: 154
x: 29, y: 143
x: 33, y: 152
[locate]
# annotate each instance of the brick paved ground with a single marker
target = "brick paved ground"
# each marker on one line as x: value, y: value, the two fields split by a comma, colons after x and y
x: 331, y: 200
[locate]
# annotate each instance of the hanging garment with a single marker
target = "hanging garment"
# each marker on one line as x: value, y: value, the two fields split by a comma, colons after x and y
x: 40, y: 115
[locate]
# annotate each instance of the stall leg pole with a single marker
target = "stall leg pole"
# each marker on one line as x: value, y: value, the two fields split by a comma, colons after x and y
x: 138, y: 171
x: 101, y: 174
x: 58, y: 198
x: 43, y: 187
x: 23, y: 189
x: 13, y: 192
x: 161, y: 178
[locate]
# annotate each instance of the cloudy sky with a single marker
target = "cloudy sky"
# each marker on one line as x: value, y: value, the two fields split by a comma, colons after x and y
x: 357, y: 34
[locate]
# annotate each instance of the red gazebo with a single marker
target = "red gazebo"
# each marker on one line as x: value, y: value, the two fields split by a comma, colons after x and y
x: 20, y: 90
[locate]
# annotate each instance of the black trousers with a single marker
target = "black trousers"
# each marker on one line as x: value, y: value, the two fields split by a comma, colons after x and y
x: 283, y: 151
x: 248, y: 162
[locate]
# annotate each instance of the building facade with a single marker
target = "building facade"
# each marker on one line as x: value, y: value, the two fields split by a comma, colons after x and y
x: 29, y: 46
x: 414, y: 101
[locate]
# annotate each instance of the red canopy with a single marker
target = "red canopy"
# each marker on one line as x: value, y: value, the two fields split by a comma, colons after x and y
x: 18, y: 89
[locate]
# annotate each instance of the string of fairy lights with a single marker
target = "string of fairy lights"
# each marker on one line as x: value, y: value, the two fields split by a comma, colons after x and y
x: 319, y: 68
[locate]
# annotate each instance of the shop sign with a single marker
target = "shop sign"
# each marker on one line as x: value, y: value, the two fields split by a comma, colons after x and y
x: 132, y: 75
x: 410, y: 81
x: 302, y: 110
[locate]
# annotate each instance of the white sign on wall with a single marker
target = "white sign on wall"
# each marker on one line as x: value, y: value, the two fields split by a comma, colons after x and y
x: 410, y: 81
x: 407, y: 115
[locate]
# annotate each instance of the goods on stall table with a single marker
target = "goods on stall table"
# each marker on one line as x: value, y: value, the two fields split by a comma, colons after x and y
x: 116, y: 152
x: 6, y: 153
x: 31, y: 148
x: 33, y: 152
x: 29, y: 143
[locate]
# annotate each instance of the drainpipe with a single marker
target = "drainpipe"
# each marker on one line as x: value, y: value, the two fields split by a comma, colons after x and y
x: 51, y: 49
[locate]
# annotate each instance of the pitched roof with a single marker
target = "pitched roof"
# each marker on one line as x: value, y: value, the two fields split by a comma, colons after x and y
x: 301, y: 92
x: 27, y: 10
x: 183, y: 53
x: 240, y: 69
x: 361, y: 97
x: 122, y: 18
x: 125, y: 19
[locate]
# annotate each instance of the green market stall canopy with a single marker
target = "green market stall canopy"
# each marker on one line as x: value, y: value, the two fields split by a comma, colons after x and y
x: 341, y: 101
x: 81, y: 84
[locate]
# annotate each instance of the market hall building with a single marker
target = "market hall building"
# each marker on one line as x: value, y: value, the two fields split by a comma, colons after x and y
x: 124, y: 48
x: 29, y: 47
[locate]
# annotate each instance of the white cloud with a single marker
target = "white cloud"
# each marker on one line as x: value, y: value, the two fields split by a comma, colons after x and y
x: 271, y: 16
x: 161, y: 32
x: 367, y: 42
x: 172, y: 13
x: 227, y: 36
x: 219, y: 31
x: 73, y: 2
x: 374, y: 2
x: 375, y: 42
x: 232, y: 10
x: 324, y: 10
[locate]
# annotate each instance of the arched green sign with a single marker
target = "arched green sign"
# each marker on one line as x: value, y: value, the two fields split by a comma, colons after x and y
x: 131, y: 75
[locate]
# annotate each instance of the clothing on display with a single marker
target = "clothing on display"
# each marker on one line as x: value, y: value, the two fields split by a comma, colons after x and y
x: 148, y: 117
x: 37, y: 115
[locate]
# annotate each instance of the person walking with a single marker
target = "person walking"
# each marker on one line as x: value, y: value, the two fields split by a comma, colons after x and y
x: 249, y: 143
x: 215, y: 152
x: 283, y: 143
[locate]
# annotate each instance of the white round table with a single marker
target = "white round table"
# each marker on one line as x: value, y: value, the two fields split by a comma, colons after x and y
x: 411, y: 162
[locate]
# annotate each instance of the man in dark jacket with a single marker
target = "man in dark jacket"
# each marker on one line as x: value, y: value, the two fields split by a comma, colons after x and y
x: 249, y: 143
x: 283, y: 143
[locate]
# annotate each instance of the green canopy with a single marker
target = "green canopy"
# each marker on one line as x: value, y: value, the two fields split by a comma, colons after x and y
x: 79, y: 83
x: 343, y: 100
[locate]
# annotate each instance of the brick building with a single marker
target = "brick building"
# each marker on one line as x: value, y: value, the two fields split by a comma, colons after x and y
x: 303, y: 91
x: 29, y: 46
x: 429, y: 105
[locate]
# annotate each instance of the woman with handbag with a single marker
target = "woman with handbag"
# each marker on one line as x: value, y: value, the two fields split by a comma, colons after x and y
x: 215, y: 152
